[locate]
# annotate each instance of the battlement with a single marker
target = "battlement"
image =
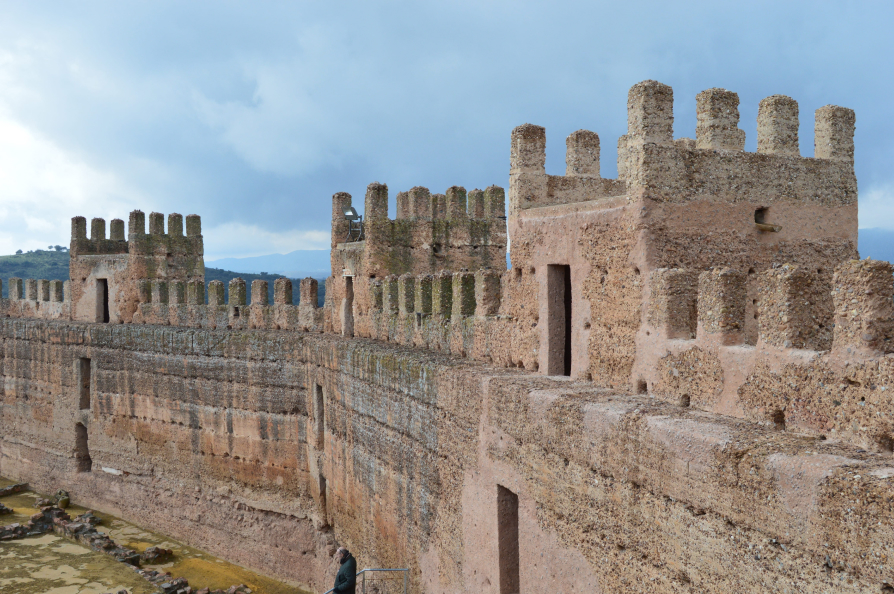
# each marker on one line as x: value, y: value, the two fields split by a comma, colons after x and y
x: 431, y: 232
x: 37, y: 298
x: 137, y: 240
x: 530, y: 186
x: 716, y: 166
x: 183, y: 303
x: 795, y: 307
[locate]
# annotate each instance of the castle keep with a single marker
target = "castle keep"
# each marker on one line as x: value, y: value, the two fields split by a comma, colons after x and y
x: 683, y: 383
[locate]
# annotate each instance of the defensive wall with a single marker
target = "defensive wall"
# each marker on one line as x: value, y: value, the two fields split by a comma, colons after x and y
x: 683, y: 383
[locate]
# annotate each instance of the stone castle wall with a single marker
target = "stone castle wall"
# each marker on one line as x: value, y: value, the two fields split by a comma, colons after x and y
x: 218, y: 437
x: 683, y: 380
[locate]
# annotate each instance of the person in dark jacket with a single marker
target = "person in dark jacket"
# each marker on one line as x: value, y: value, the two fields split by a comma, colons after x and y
x: 346, y: 578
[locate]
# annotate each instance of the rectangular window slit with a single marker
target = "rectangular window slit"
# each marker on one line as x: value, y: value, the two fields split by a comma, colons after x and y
x: 559, y: 318
x: 84, y: 383
x: 507, y: 540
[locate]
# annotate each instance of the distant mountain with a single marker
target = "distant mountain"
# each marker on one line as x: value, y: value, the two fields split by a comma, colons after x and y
x: 877, y: 244
x: 297, y: 264
x: 49, y: 265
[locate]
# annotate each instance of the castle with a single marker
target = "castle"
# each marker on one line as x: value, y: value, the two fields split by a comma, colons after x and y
x: 683, y: 382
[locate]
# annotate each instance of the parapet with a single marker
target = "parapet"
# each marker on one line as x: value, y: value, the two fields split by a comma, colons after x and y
x: 655, y: 166
x: 172, y: 253
x: 431, y: 232
x: 37, y: 298
x: 795, y: 307
x: 182, y: 303
x: 531, y: 187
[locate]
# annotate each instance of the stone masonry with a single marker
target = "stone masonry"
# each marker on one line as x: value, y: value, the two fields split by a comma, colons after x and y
x: 683, y: 383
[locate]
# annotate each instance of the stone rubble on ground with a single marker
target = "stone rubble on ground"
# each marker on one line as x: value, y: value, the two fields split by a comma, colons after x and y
x: 82, y: 529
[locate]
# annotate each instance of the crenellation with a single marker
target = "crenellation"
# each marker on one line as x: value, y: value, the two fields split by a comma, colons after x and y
x: 43, y: 290
x: 17, y: 288
x: 145, y: 290
x: 376, y: 296
x: 582, y: 154
x: 193, y: 225
x: 175, y: 225
x: 439, y: 206
x: 195, y: 292
x: 282, y: 292
x: 834, y: 133
x: 406, y: 294
x: 777, y: 126
x: 863, y: 295
x: 795, y: 309
x: 116, y: 230
x: 156, y: 223
x: 673, y: 302
x: 422, y: 300
x: 717, y: 116
x: 308, y: 294
x: 487, y: 292
x: 390, y: 297
x: 136, y: 225
x: 403, y: 209
x: 259, y: 292
x: 463, y: 295
x: 650, y: 114
x: 78, y: 229
x: 31, y: 289
x: 476, y: 204
x: 456, y: 203
x: 56, y: 290
x: 721, y: 303
x: 376, y: 204
x: 216, y: 292
x: 528, y: 150
x: 160, y: 292
x: 494, y: 203
x: 177, y: 292
x: 236, y: 291
x: 97, y: 229
x: 442, y: 294
x: 420, y: 204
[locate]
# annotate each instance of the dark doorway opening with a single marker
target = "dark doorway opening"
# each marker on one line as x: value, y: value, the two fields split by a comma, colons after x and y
x: 102, y: 300
x: 507, y: 540
x: 319, y: 415
x: 347, y: 313
x: 84, y: 383
x: 83, y: 463
x: 559, y: 312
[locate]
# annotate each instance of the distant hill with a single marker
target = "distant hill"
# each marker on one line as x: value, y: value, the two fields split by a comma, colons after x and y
x: 298, y: 264
x: 51, y: 265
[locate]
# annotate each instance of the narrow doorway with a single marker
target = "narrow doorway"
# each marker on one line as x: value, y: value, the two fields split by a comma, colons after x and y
x: 84, y: 383
x: 507, y: 540
x: 83, y: 463
x: 559, y: 316
x: 347, y: 304
x: 102, y: 300
x: 319, y: 415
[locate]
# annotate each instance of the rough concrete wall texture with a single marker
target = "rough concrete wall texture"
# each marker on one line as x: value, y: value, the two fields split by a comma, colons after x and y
x: 683, y: 381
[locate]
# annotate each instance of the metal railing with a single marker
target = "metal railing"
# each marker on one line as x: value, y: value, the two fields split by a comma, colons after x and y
x: 383, y: 585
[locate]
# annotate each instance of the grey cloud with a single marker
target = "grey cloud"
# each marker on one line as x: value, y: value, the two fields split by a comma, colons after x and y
x: 258, y: 113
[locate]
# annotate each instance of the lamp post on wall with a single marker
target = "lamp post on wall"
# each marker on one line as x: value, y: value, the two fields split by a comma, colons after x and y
x: 355, y: 225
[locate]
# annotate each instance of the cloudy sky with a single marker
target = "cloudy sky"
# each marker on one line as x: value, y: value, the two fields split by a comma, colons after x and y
x: 254, y: 114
